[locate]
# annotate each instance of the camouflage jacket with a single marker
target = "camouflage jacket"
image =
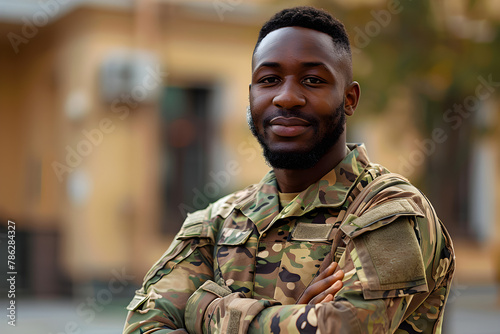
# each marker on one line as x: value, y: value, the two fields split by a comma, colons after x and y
x: 241, y: 264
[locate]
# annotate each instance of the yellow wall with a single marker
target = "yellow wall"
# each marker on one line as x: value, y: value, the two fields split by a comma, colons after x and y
x: 117, y: 224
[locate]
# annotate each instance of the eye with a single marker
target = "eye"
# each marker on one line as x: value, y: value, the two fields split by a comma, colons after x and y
x: 313, y: 81
x: 269, y: 80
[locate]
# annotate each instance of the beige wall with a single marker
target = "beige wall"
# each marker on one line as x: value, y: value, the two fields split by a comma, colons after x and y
x: 117, y: 224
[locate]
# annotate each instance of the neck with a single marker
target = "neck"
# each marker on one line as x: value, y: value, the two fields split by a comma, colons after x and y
x: 296, y: 180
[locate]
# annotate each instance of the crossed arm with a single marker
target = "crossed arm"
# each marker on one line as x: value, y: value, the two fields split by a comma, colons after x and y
x: 178, y: 299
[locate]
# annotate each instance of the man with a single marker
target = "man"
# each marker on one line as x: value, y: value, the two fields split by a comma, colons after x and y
x: 264, y: 259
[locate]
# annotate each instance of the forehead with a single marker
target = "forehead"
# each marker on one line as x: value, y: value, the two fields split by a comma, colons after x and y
x: 298, y: 44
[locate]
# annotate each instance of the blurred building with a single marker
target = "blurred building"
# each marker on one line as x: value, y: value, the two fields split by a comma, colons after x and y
x: 118, y: 117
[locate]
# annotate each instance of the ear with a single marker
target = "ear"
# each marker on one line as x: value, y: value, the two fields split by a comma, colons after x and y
x: 351, y: 96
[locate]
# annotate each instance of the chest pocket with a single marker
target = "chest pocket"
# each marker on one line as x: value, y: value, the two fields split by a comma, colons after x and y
x: 302, y: 256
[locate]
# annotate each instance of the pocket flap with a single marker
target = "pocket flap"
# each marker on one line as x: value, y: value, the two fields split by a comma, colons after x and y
x: 138, y: 300
x: 195, y: 226
x: 378, y: 216
x: 312, y: 232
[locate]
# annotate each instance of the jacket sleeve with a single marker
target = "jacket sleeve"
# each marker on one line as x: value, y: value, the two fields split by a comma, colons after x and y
x: 216, y: 309
x: 159, y: 306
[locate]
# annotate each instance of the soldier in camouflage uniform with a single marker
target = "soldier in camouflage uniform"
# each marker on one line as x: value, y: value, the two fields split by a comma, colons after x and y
x: 327, y: 242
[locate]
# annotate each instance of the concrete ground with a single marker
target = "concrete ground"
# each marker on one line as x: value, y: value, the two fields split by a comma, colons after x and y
x: 471, y: 310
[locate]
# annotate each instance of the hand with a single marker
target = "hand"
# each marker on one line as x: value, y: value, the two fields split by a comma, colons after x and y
x: 324, y: 286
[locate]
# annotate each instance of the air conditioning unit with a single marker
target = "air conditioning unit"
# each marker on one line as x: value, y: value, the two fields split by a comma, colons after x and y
x: 134, y: 75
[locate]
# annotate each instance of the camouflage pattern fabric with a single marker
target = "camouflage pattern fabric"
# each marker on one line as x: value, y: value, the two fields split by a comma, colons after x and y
x: 240, y: 265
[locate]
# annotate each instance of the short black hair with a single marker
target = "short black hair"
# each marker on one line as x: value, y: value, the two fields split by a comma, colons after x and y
x: 307, y: 17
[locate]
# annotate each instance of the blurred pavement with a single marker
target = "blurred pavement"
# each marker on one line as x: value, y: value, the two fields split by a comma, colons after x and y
x: 473, y: 310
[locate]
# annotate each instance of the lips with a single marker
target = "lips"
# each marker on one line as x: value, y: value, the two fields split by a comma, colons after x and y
x: 289, y: 126
x: 289, y: 121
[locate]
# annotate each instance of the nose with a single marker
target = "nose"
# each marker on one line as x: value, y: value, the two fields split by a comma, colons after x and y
x: 289, y: 96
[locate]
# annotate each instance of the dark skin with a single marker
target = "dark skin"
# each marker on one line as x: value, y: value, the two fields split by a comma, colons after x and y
x: 301, y: 71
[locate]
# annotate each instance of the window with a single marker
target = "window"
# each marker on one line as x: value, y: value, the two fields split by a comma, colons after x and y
x: 186, y: 140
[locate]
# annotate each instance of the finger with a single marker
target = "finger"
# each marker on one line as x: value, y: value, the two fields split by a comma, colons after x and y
x: 327, y: 299
x: 334, y: 288
x: 331, y: 290
x: 328, y: 281
x: 330, y: 270
x: 327, y: 272
x: 316, y: 291
x: 320, y: 286
x: 339, y: 275
x: 322, y: 282
x: 324, y: 296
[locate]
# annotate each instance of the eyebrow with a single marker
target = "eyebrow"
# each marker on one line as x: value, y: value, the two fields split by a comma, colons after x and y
x: 305, y: 64
x: 269, y: 64
x: 314, y: 64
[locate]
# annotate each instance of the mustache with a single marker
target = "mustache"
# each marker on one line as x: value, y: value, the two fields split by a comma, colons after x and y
x: 289, y: 113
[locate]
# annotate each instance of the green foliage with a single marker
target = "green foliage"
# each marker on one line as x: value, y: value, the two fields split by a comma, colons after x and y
x: 418, y: 48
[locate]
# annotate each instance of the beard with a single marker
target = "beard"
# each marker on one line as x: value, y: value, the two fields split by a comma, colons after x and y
x: 334, y: 126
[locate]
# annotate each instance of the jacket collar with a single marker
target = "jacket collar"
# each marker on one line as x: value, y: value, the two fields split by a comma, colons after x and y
x: 262, y: 206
